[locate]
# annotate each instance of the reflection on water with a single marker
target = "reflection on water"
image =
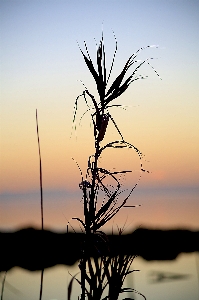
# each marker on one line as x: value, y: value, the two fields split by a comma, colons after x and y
x: 162, y: 276
x: 157, y: 280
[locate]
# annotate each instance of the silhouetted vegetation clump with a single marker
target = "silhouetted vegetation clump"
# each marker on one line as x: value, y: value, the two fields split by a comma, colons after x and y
x: 104, y: 273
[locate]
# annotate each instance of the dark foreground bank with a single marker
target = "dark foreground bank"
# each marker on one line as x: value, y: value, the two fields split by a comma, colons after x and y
x: 33, y: 249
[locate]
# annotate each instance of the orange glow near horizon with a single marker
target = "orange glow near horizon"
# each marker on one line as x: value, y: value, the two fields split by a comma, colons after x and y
x: 157, y: 210
x: 170, y: 162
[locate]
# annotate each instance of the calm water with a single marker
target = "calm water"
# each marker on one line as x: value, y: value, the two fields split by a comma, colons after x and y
x: 173, y: 280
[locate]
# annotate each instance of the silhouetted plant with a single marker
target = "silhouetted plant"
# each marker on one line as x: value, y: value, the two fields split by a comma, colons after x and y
x: 3, y: 284
x: 41, y: 198
x: 103, y: 272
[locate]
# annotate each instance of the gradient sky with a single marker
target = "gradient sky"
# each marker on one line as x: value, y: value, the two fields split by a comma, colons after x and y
x: 41, y: 67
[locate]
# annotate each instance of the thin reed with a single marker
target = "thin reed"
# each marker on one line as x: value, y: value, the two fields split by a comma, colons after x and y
x: 41, y: 198
x: 3, y: 284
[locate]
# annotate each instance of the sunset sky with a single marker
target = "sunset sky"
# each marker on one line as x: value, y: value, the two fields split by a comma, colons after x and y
x: 42, y: 68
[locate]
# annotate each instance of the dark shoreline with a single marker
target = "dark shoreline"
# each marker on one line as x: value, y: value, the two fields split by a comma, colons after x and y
x: 33, y: 249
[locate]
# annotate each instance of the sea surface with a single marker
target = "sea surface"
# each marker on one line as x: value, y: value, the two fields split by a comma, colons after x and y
x: 157, y: 280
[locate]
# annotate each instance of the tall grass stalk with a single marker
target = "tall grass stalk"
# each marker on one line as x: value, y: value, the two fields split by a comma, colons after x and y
x: 41, y: 197
x: 40, y: 174
x: 104, y: 273
x: 3, y: 284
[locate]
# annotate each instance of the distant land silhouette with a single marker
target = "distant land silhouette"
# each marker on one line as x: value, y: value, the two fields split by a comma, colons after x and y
x: 34, y: 249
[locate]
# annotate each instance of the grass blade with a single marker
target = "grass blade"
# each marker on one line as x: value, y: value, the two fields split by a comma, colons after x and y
x: 41, y: 195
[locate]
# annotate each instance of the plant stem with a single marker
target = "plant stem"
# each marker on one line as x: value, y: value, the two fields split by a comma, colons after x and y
x: 41, y: 196
x: 3, y: 284
x: 40, y: 172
